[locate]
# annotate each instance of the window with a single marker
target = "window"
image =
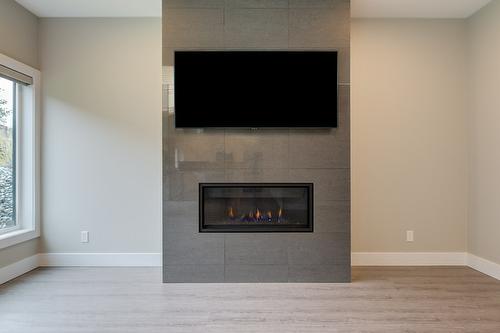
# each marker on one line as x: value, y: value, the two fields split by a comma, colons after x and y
x: 8, y: 211
x: 19, y: 113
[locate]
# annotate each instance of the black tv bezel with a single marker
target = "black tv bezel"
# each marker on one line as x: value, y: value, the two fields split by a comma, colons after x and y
x: 335, y: 51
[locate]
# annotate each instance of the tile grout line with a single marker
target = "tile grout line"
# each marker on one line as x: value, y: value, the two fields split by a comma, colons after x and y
x: 224, y: 258
x: 288, y: 24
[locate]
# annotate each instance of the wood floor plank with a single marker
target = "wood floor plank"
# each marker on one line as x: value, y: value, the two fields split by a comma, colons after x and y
x: 380, y: 299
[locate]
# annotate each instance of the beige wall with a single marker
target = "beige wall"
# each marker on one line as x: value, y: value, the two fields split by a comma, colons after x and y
x: 409, y: 155
x: 15, y: 20
x: 484, y: 120
x: 409, y: 120
x: 101, y: 143
x: 18, y: 33
x: 15, y: 253
x: 409, y: 125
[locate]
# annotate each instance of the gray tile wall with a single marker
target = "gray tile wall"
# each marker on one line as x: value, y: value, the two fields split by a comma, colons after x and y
x: 318, y: 156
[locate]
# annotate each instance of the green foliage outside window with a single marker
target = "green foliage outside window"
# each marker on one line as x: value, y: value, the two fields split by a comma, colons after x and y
x: 7, y: 216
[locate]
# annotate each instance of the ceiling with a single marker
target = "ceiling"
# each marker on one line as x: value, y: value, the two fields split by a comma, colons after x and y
x: 93, y: 8
x: 152, y: 8
x: 416, y: 8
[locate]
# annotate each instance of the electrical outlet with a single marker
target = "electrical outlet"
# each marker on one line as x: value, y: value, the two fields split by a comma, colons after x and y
x: 409, y: 235
x: 84, y: 237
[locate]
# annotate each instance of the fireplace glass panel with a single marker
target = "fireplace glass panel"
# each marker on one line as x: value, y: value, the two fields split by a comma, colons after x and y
x: 255, y: 207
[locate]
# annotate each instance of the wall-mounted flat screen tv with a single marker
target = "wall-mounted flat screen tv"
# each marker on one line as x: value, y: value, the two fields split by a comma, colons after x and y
x: 255, y: 89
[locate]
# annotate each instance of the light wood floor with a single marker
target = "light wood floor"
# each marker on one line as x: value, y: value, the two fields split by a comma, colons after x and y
x: 125, y: 300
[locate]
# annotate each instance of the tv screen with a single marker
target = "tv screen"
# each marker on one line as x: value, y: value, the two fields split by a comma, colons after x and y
x: 255, y: 89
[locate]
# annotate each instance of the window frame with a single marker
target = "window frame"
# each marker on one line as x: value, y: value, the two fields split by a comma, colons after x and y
x: 27, y: 162
x: 15, y: 144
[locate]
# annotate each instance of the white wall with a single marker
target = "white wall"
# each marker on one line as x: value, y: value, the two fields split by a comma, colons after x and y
x: 101, y: 145
x: 484, y: 120
x: 17, y: 21
x: 409, y: 144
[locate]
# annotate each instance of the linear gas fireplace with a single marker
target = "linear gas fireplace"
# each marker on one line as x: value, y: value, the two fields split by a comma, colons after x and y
x: 245, y: 207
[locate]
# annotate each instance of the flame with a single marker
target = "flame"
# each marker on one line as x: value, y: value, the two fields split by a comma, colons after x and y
x: 256, y: 215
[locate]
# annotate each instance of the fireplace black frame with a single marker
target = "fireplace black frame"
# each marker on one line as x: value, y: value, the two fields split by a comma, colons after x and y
x: 257, y: 228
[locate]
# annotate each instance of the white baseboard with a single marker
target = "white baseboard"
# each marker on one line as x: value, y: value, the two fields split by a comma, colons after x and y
x: 484, y: 266
x: 18, y: 268
x: 100, y: 259
x: 409, y: 259
x: 155, y: 259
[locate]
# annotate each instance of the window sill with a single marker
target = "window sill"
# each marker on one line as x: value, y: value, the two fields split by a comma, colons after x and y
x: 16, y: 237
